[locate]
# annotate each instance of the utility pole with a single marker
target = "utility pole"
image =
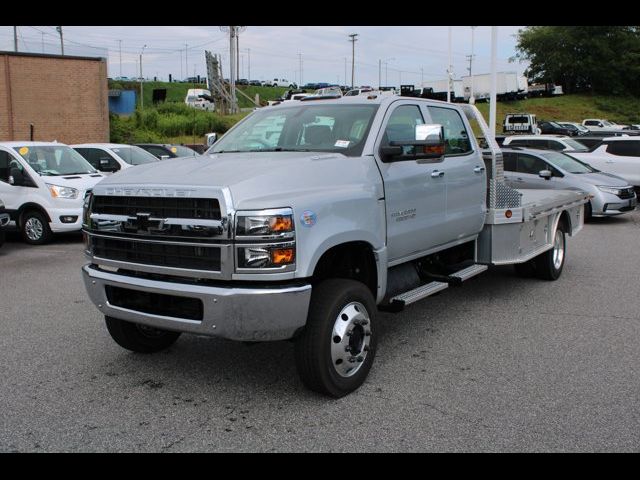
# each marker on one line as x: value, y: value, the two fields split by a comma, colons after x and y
x: 141, y: 80
x: 353, y: 41
x: 472, y: 98
x: 249, y: 64
x: 15, y: 39
x: 449, y: 71
x: 379, y: 74
x: 345, y: 71
x: 421, y: 77
x: 42, y: 41
x: 186, y: 64
x: 492, y: 105
x: 59, y: 29
x: 120, y: 48
x: 300, y: 61
x: 181, y: 77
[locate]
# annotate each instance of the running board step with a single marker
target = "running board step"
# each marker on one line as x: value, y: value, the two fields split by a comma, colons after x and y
x: 423, y: 291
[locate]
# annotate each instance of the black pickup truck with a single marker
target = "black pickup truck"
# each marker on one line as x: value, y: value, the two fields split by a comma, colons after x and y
x: 4, y: 220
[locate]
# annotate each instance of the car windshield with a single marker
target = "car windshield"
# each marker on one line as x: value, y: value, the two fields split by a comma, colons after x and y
x: 575, y: 145
x: 310, y: 127
x: 183, y: 151
x: 134, y: 155
x: 567, y: 163
x: 52, y: 160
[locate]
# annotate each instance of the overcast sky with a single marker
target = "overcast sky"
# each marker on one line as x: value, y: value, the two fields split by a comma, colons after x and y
x: 412, y: 53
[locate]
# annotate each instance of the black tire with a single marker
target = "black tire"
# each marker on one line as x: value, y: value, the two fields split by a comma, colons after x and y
x: 34, y: 227
x: 2, y: 237
x: 547, y: 265
x: 314, y: 347
x: 526, y: 269
x: 587, y: 211
x: 139, y: 338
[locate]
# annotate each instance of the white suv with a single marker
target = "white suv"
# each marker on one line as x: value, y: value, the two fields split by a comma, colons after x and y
x: 280, y: 82
x: 559, y: 143
x: 43, y: 185
x: 111, y: 157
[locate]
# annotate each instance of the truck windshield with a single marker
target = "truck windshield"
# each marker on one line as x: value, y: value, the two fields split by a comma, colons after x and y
x: 54, y: 160
x: 567, y: 163
x: 134, y: 155
x: 310, y: 127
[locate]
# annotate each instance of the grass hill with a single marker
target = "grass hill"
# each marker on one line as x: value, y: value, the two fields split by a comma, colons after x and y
x: 175, y: 122
x: 569, y: 108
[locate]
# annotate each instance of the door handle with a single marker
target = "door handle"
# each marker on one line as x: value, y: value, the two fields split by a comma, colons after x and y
x: 437, y: 174
x: 478, y: 169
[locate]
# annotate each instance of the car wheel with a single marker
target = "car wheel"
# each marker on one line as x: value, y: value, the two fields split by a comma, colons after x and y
x: 549, y: 265
x: 35, y: 228
x: 336, y: 349
x: 139, y: 338
x: 588, y: 210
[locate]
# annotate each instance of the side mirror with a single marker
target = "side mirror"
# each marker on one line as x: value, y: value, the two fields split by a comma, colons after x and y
x: 211, y: 139
x: 427, y: 145
x: 16, y: 177
x: 546, y: 174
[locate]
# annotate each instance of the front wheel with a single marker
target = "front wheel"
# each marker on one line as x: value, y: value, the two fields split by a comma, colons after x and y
x: 548, y: 266
x: 35, y: 228
x: 139, y: 338
x: 335, y: 351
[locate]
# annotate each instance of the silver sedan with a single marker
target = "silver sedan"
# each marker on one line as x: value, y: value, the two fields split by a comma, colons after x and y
x: 532, y: 168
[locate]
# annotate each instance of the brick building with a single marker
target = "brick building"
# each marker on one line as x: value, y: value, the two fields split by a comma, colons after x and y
x: 63, y: 97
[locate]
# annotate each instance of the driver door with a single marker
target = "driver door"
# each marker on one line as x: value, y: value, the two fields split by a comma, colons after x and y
x: 414, y: 189
x: 13, y: 196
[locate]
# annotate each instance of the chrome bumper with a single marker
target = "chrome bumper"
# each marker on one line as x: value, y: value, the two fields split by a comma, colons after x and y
x: 246, y: 314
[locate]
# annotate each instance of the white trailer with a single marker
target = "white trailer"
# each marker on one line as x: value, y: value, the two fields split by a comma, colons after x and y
x: 509, y: 86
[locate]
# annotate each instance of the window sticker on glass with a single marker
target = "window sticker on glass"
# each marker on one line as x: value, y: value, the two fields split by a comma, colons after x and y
x: 342, y: 143
x: 23, y: 151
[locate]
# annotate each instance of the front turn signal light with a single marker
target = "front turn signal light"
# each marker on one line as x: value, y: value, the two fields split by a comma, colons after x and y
x: 282, y: 256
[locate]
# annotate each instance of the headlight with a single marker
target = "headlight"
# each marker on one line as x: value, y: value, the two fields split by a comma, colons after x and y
x: 62, y: 192
x: 612, y: 190
x: 86, y: 209
x: 267, y: 256
x: 265, y: 223
x: 257, y: 226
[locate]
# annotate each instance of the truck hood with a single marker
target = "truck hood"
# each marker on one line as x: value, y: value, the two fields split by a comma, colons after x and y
x: 257, y: 179
x: 82, y: 181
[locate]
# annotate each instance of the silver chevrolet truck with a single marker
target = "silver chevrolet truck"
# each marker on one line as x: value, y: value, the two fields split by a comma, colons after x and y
x: 305, y: 220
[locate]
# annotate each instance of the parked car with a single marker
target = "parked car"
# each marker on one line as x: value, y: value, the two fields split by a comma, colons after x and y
x: 42, y: 185
x: 255, y: 83
x: 532, y: 168
x: 560, y: 143
x: 617, y: 155
x: 4, y: 221
x: 201, y: 99
x: 242, y: 81
x: 520, y: 123
x: 111, y: 157
x: 595, y: 124
x: 164, y: 151
x: 553, y: 128
x: 280, y: 82
x: 578, y: 128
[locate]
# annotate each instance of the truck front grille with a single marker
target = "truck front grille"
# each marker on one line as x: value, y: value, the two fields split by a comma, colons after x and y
x: 161, y: 207
x: 160, y: 254
x: 155, y: 303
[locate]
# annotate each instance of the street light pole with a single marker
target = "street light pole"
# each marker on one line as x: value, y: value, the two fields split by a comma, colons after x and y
x: 141, y: 81
x: 472, y: 98
x: 15, y: 39
x: 59, y: 29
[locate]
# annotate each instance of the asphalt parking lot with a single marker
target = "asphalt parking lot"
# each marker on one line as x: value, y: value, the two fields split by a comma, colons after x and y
x: 500, y: 364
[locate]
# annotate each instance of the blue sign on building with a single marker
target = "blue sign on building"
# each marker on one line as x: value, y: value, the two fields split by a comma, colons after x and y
x: 122, y: 102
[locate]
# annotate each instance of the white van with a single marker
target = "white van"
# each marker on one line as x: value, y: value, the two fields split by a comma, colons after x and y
x: 201, y: 99
x: 42, y: 185
x: 111, y: 157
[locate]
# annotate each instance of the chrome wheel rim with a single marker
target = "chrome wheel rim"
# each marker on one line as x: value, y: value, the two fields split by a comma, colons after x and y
x: 350, y: 339
x: 558, y: 250
x: 34, y: 229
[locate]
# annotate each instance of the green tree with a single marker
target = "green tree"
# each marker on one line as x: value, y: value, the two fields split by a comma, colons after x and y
x: 599, y: 59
